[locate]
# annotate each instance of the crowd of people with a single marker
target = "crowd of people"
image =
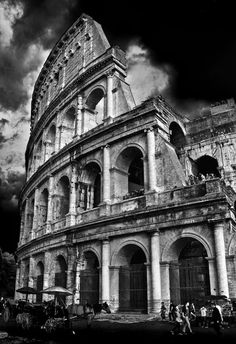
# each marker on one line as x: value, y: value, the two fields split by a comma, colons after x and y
x: 183, y: 316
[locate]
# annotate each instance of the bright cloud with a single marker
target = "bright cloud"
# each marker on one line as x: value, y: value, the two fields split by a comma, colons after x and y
x: 145, y: 78
x: 8, y: 15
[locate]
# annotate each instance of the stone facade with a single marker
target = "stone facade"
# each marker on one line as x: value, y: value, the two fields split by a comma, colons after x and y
x: 127, y: 204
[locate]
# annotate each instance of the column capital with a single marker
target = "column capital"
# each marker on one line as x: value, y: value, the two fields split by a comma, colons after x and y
x: 147, y: 130
x: 107, y: 146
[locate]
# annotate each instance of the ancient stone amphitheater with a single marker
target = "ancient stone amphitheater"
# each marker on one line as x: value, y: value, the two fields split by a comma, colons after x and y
x: 127, y: 204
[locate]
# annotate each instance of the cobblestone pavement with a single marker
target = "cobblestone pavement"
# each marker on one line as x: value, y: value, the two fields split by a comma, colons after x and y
x: 124, y: 328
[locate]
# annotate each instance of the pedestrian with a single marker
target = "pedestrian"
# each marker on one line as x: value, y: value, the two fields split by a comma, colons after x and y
x: 163, y: 311
x: 186, y: 313
x: 177, y: 329
x: 217, y: 319
x: 172, y: 311
x: 203, y: 312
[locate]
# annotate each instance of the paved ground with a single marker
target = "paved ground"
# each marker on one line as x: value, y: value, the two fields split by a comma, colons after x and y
x: 123, y: 328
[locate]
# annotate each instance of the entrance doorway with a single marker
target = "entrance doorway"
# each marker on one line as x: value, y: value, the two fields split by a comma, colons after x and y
x: 133, y: 281
x: 89, y: 279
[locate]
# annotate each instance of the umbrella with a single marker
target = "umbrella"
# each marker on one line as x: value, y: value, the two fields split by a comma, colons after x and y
x: 27, y: 290
x: 56, y: 290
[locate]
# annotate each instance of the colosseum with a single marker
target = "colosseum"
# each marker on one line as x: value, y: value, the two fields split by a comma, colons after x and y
x: 124, y: 203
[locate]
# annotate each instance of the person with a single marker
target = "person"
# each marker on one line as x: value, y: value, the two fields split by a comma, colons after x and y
x: 186, y: 318
x: 203, y: 312
x: 163, y: 311
x: 172, y: 311
x: 177, y: 329
x: 217, y: 319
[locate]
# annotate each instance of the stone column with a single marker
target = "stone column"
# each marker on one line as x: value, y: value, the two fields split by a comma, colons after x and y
x: 35, y: 217
x: 105, y: 271
x: 26, y: 225
x: 222, y: 277
x: 47, y: 150
x: 17, y: 284
x: 109, y: 95
x: 212, y: 275
x: 106, y: 174
x: 50, y: 204
x: 165, y: 282
x: 31, y: 277
x: 155, y: 271
x: 78, y: 128
x: 151, y: 159
x: 72, y: 207
x: 47, y: 271
x: 57, y: 137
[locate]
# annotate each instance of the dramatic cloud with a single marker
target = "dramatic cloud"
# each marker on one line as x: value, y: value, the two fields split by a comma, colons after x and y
x: 145, y: 78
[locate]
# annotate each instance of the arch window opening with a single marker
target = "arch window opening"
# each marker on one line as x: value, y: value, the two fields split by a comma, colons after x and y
x: 208, y: 166
x: 38, y: 155
x: 50, y: 142
x: 62, y: 199
x: 89, y: 279
x: 189, y: 278
x: 94, y: 109
x: 39, y: 281
x: 68, y: 127
x: 61, y: 275
x: 177, y: 137
x: 89, y: 189
x: 129, y: 174
x: 43, y: 208
x: 132, y: 279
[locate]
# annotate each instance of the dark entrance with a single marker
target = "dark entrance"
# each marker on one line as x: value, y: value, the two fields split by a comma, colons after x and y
x: 39, y: 281
x: 60, y: 274
x: 89, y: 279
x: 193, y: 274
x: 133, y: 284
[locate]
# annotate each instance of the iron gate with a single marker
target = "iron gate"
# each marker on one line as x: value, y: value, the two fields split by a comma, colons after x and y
x: 133, y: 288
x: 189, y: 280
x: 89, y: 286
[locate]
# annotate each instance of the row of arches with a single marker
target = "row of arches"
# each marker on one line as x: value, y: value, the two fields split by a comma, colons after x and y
x: 188, y: 275
x: 128, y: 181
x: 56, y: 137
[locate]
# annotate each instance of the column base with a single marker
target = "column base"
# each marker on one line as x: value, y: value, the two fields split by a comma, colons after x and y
x: 155, y: 306
x: 70, y: 220
x: 104, y: 208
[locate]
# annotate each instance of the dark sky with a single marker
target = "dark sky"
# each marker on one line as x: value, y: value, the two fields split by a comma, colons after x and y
x: 188, y: 48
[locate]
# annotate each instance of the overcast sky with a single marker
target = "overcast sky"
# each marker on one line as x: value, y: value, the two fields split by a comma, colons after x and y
x: 184, y: 50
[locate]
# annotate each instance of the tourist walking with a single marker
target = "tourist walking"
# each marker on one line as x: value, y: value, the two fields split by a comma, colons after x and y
x: 177, y: 329
x: 217, y: 319
x: 186, y: 318
x: 163, y: 311
x: 203, y: 313
x: 172, y: 311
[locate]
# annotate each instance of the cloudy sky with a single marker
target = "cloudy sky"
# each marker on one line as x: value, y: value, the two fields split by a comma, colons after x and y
x: 184, y: 50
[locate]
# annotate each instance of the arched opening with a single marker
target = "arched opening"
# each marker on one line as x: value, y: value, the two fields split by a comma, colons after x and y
x: 43, y: 208
x: 207, y: 166
x: 61, y: 275
x: 94, y: 109
x: 132, y: 279
x: 38, y: 155
x: 89, y: 190
x: 62, y: 198
x: 39, y: 281
x: 50, y: 142
x: 89, y: 279
x: 26, y: 275
x: 189, y: 274
x: 129, y: 173
x: 68, y: 127
x: 177, y: 137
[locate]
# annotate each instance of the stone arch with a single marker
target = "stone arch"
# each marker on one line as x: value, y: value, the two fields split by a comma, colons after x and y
x: 38, y: 154
x: 68, y: 126
x: 94, y: 107
x: 177, y: 137
x: 60, y: 271
x: 90, y: 186
x: 131, y: 277
x: 50, y: 141
x: 205, y: 165
x: 128, y: 173
x: 188, y: 268
x: 43, y: 207
x: 115, y: 261
x: 167, y: 248
x: 61, y: 198
x: 89, y: 277
x: 39, y: 280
